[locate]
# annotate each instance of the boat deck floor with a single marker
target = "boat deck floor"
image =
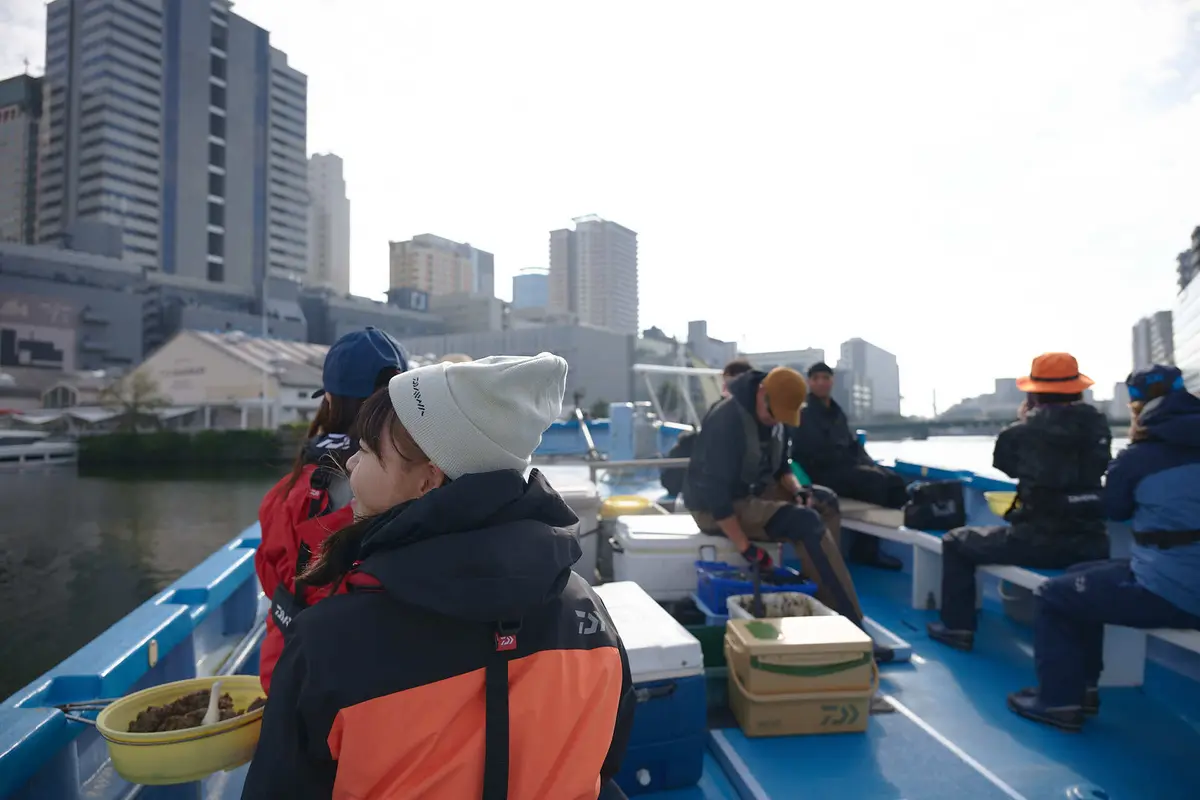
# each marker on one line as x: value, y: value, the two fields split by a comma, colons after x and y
x: 953, y: 736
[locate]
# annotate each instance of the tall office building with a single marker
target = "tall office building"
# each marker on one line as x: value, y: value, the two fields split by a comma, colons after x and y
x: 1153, y: 341
x: 328, y: 224
x: 594, y: 274
x: 1187, y: 315
x: 867, y: 380
x: 440, y: 266
x: 178, y: 122
x: 531, y: 288
x: 20, y: 115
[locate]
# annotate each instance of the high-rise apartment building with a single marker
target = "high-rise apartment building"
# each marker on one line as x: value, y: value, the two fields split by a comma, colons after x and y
x: 178, y: 122
x: 20, y: 115
x: 440, y: 266
x: 328, y: 224
x: 531, y: 288
x: 867, y: 382
x: 1187, y: 315
x: 1153, y: 341
x: 594, y: 274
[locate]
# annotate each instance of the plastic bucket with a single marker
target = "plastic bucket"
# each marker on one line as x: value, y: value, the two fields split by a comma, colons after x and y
x: 183, y: 756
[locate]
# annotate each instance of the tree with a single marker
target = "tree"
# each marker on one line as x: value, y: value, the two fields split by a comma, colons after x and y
x: 135, y: 397
x: 599, y: 409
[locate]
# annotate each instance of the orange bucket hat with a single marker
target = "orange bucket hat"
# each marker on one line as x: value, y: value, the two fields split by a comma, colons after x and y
x: 1054, y: 373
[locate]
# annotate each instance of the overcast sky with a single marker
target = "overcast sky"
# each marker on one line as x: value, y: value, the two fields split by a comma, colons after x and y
x: 963, y: 183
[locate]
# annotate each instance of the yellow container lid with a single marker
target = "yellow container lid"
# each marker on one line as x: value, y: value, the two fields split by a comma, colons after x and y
x: 1000, y: 502
x: 794, y: 635
x: 621, y: 505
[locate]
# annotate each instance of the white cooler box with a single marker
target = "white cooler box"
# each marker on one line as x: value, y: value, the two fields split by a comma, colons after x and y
x: 659, y: 553
x: 582, y: 495
x: 666, y: 747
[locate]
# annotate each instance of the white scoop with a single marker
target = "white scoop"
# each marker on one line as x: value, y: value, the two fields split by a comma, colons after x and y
x: 213, y: 715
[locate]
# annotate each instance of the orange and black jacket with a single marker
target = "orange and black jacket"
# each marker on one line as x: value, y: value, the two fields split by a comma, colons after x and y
x: 466, y: 661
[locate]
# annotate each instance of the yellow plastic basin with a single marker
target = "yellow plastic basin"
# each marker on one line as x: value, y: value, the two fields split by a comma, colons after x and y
x: 161, y: 759
x: 1000, y: 502
x: 622, y: 505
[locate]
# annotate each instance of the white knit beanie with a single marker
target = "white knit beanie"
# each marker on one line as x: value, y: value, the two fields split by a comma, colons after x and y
x: 480, y: 416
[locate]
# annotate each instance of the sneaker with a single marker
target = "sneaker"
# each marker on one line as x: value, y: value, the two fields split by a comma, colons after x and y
x: 958, y: 639
x: 1026, y: 703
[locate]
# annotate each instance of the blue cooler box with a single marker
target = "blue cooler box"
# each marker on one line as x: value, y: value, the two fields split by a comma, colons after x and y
x: 666, y: 748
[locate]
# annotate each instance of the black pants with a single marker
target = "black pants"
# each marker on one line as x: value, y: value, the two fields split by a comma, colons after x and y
x: 869, y: 483
x: 1072, y: 611
x: 964, y: 549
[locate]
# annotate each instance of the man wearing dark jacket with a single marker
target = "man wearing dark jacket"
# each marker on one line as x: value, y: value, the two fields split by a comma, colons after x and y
x: 832, y: 456
x: 1058, y: 451
x: 739, y: 484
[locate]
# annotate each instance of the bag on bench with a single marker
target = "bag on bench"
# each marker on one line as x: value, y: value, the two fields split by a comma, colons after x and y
x: 935, y: 506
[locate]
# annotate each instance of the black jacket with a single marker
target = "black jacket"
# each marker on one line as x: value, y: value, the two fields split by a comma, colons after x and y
x: 1058, y: 457
x: 824, y: 442
x: 716, y: 474
x: 380, y: 692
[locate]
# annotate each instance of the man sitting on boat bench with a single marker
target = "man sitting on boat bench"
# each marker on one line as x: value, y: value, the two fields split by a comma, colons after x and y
x: 832, y: 456
x: 1058, y: 451
x: 739, y: 485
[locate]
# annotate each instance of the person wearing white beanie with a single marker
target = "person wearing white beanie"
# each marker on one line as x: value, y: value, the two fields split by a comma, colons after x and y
x: 457, y: 566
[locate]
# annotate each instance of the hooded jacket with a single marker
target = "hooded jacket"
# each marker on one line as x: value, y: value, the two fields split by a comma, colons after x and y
x: 380, y: 692
x: 824, y: 443
x: 1058, y: 456
x: 294, y: 524
x: 719, y: 471
x: 1154, y: 483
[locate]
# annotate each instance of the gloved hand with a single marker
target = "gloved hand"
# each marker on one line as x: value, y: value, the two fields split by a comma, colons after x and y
x: 758, y: 557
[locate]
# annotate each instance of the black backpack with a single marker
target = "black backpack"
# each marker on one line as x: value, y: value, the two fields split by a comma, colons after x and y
x: 673, y: 477
x: 935, y: 506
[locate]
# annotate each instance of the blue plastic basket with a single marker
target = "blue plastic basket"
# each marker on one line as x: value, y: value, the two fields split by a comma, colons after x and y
x: 717, y: 581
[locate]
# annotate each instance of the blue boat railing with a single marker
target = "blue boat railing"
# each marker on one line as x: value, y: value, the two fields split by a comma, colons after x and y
x: 208, y: 621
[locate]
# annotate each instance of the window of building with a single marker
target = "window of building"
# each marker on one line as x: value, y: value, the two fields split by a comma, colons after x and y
x: 216, y: 272
x: 216, y: 125
x: 216, y: 214
x: 216, y: 184
x: 216, y: 96
x: 216, y: 154
x: 216, y: 244
x: 217, y: 66
x: 220, y: 38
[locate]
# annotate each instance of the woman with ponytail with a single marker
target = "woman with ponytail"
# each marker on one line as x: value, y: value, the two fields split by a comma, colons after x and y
x: 455, y: 665
x: 314, y: 499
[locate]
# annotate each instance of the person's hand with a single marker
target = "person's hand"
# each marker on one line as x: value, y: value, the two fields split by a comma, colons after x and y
x: 758, y: 557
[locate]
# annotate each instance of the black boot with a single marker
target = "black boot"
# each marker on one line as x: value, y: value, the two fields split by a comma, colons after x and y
x: 958, y: 639
x: 865, y: 550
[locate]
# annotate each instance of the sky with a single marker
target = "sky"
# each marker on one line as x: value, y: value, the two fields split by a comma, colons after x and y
x: 965, y: 184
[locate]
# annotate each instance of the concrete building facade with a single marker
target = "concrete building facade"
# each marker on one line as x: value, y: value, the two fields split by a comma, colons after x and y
x: 1153, y: 341
x: 799, y: 360
x: 328, y: 224
x: 20, y: 118
x: 867, y: 380
x: 594, y: 274
x: 437, y: 265
x: 531, y: 288
x: 600, y: 361
x: 176, y: 121
x: 329, y: 316
x: 1186, y: 319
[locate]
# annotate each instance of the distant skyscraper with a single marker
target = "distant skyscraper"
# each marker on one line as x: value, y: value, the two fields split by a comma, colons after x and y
x: 867, y: 380
x: 328, y: 224
x: 1187, y: 315
x: 1153, y: 341
x: 178, y: 122
x: 531, y: 289
x: 20, y: 116
x: 440, y: 266
x: 594, y: 274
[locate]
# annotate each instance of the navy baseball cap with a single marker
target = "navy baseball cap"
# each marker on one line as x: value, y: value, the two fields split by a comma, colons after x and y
x: 1139, y: 382
x: 354, y: 362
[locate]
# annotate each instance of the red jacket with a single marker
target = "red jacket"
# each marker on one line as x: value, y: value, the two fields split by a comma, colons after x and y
x: 294, y: 525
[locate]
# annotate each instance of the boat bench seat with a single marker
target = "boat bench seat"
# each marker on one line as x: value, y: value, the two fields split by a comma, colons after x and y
x: 931, y: 542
